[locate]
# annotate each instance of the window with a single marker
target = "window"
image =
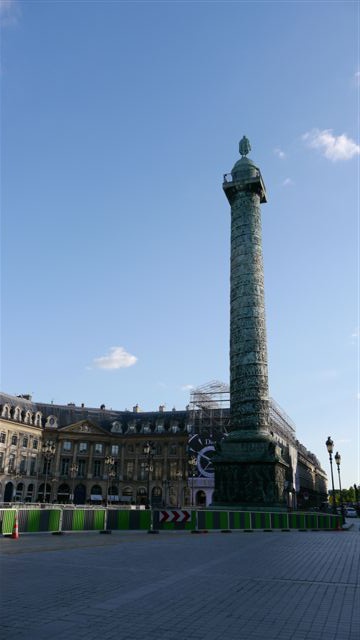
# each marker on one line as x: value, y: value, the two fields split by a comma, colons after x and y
x: 158, y: 471
x: 11, y: 465
x: 172, y: 450
x: 115, y: 450
x: 46, y: 467
x: 25, y: 441
x: 82, y: 468
x: 14, y: 439
x: 97, y: 468
x: 1, y: 461
x: 96, y: 491
x: 173, y: 469
x: 65, y: 466
x: 98, y: 448
x: 29, y: 493
x: 158, y: 449
x: 35, y: 443
x: 131, y: 448
x: 38, y: 419
x: 129, y: 473
x: 32, y: 466
x: 22, y: 468
x: 66, y: 445
x: 143, y: 470
x: 2, y: 437
x: 83, y: 446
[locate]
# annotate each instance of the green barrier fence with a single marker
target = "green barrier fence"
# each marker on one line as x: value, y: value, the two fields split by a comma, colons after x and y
x: 30, y: 520
x: 51, y: 520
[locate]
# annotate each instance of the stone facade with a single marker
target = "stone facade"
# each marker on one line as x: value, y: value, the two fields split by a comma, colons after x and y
x: 86, y: 436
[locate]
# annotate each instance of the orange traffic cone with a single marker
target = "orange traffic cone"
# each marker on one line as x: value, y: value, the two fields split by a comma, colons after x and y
x: 15, y: 531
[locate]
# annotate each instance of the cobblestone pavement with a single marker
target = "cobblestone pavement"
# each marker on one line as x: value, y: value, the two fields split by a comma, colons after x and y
x: 135, y: 586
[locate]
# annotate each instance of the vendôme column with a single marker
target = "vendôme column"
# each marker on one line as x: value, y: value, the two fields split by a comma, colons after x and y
x: 249, y: 469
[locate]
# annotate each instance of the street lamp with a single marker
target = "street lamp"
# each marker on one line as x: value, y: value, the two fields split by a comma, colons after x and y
x: 17, y: 477
x: 48, y: 450
x: 338, y: 461
x: 111, y: 474
x: 73, y: 472
x: 149, y: 452
x: 330, y: 447
x: 192, y: 463
x: 179, y: 478
x: 109, y: 464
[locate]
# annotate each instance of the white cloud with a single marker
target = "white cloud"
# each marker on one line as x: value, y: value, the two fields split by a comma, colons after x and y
x: 287, y: 182
x: 279, y: 153
x: 9, y: 12
x: 187, y: 387
x: 117, y: 358
x: 333, y: 147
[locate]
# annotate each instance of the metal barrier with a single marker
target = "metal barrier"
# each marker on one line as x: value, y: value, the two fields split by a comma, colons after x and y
x: 83, y: 519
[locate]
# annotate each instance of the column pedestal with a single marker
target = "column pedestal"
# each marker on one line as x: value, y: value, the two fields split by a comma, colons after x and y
x: 250, y: 472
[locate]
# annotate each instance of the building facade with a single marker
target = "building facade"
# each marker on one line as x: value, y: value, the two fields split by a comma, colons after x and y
x: 67, y: 453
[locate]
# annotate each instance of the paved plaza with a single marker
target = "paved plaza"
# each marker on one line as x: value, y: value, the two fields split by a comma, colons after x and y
x: 215, y: 586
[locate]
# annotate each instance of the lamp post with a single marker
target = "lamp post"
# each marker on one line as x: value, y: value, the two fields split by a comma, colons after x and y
x: 338, y: 461
x: 179, y: 476
x: 109, y: 464
x: 73, y: 472
x: 149, y: 452
x: 192, y: 464
x: 48, y: 450
x: 330, y: 447
x: 17, y: 476
x: 111, y: 474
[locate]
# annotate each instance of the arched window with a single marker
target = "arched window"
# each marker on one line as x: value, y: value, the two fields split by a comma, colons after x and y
x: 19, y: 491
x: 200, y: 499
x: 96, y: 493
x: 9, y: 492
x: 141, y: 496
x: 51, y: 421
x: 113, y: 494
x: 63, y: 494
x: 5, y: 411
x: 29, y: 493
x: 44, y: 496
x: 156, y: 497
x: 38, y: 417
x: 17, y: 414
x: 28, y: 417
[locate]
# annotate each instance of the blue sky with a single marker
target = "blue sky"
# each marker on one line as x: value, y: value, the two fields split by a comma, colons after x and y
x: 118, y: 121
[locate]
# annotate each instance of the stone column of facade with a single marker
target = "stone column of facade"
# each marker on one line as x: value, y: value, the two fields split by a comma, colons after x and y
x: 249, y: 470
